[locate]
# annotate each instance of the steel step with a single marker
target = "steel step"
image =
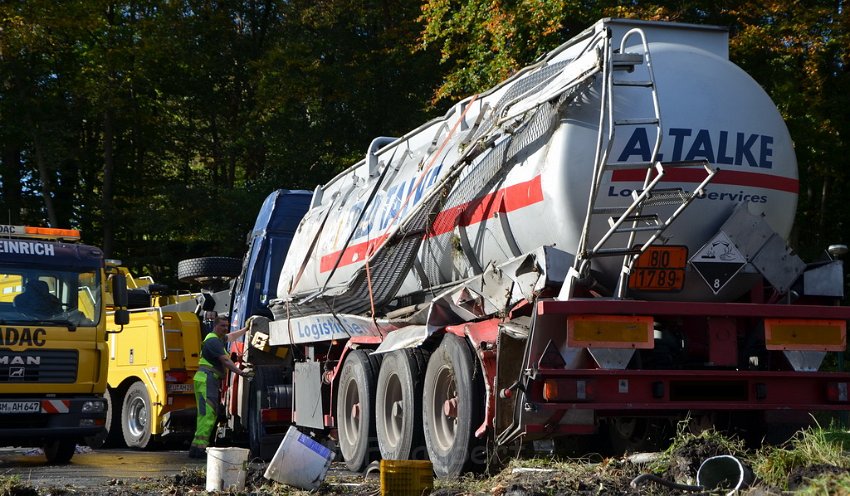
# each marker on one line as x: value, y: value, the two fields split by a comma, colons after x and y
x: 614, y: 252
x: 637, y: 122
x: 647, y: 218
x: 626, y: 60
x: 673, y: 196
x: 641, y: 84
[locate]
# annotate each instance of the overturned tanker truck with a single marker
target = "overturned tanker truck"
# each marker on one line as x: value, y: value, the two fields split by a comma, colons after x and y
x: 595, y: 246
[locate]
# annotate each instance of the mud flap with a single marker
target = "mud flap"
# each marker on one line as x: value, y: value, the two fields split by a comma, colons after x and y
x: 308, y: 408
x: 512, y: 340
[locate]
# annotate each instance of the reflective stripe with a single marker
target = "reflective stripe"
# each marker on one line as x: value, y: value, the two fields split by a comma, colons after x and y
x: 209, y: 370
x: 203, y: 363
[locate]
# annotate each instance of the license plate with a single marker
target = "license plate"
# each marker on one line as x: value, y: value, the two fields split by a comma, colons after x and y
x: 660, y: 268
x: 179, y: 388
x: 20, y: 407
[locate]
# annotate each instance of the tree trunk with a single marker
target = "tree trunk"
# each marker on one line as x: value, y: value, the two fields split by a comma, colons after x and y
x: 108, y: 187
x: 44, y: 177
x: 12, y: 200
x: 822, y: 217
x: 217, y: 153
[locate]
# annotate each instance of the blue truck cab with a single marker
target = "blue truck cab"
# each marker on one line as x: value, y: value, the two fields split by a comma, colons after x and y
x: 268, y: 243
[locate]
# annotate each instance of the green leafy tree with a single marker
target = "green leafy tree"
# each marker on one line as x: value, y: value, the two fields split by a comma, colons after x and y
x: 41, y: 117
x: 158, y: 127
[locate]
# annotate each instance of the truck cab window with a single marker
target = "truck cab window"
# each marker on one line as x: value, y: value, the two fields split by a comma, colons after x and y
x: 34, y: 295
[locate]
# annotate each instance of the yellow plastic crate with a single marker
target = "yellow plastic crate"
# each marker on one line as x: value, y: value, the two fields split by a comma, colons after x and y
x: 406, y: 477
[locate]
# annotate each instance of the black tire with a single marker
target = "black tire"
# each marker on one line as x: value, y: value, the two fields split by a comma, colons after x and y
x: 398, y: 405
x: 196, y: 270
x: 355, y: 410
x: 136, y: 417
x: 453, y: 381
x: 60, y: 451
x: 111, y: 436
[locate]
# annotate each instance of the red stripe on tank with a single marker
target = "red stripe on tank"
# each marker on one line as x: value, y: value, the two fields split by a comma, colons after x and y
x: 505, y: 200
x: 729, y: 177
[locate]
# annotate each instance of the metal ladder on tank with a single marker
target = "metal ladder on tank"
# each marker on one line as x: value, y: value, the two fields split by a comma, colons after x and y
x: 638, y: 216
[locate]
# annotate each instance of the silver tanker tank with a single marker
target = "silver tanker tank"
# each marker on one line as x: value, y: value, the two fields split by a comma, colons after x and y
x: 509, y: 170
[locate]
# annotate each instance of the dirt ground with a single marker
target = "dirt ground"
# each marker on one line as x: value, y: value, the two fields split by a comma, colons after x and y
x: 669, y: 473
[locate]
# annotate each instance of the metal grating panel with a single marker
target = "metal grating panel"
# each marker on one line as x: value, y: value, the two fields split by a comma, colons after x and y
x: 395, y: 258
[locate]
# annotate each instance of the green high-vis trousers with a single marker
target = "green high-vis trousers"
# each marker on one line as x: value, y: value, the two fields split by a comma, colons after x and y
x: 207, y: 392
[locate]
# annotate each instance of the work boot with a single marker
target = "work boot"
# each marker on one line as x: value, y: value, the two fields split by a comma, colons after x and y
x: 197, y: 452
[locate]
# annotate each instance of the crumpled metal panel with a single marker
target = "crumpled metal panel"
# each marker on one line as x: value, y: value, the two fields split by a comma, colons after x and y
x: 499, y: 288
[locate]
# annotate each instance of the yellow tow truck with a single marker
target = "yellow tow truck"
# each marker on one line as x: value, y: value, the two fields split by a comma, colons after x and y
x: 53, y: 328
x: 152, y: 362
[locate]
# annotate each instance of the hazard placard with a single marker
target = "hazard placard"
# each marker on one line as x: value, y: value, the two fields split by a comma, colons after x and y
x: 660, y: 268
x: 718, y: 261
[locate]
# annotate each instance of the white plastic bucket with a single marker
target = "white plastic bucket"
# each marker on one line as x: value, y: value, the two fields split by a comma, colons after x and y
x: 299, y: 461
x: 226, y: 469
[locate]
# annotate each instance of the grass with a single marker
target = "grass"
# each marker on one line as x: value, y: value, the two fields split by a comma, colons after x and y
x: 813, y: 448
x: 814, y: 462
x: 827, y: 484
x: 14, y: 486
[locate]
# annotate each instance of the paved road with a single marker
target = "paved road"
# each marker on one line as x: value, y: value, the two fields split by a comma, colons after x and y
x: 94, y: 469
x: 122, y: 471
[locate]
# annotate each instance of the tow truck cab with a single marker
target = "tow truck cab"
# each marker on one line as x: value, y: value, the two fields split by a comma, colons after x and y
x: 52, y: 339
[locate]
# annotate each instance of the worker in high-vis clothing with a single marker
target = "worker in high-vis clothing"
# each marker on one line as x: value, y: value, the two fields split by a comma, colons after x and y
x: 214, y: 361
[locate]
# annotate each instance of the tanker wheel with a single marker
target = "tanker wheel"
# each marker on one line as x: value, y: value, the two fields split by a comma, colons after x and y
x: 398, y: 405
x: 136, y: 417
x: 453, y: 408
x: 206, y: 270
x: 60, y: 451
x: 354, y: 409
x: 110, y: 436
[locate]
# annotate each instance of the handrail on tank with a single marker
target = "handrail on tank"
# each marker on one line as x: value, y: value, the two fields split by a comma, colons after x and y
x: 591, y: 44
x: 628, y: 260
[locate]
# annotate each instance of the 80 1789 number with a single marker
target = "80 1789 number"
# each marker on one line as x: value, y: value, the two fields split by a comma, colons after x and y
x: 658, y: 279
x: 660, y: 268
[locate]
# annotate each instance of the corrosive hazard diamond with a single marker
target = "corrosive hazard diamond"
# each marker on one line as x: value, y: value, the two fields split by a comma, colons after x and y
x: 718, y: 261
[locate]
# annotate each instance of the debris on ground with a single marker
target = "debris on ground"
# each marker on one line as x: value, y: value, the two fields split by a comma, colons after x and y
x: 809, y: 465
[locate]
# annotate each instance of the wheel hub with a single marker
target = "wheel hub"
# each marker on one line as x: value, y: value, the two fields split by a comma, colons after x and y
x: 397, y: 409
x: 138, y: 417
x: 450, y: 407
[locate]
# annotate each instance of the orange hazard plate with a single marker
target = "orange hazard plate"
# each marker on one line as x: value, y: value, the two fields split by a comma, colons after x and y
x: 660, y: 268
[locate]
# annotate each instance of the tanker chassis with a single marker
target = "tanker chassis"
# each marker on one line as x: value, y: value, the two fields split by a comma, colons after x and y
x: 595, y: 246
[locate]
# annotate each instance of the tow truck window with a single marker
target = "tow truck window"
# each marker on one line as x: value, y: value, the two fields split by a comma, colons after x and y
x: 32, y: 296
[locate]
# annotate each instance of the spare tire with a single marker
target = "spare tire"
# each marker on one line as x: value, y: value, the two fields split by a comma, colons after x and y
x: 199, y: 270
